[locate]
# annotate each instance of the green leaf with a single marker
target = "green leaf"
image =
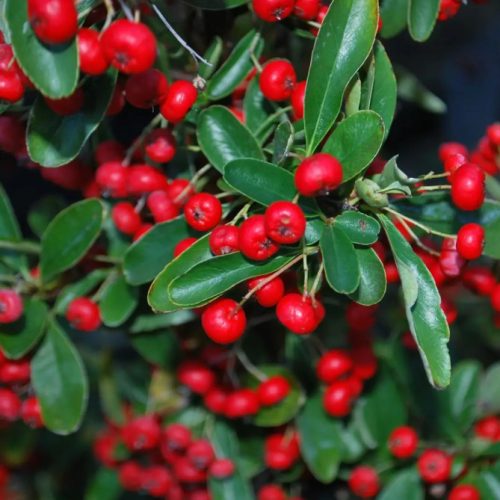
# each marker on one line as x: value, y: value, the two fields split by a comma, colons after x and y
x: 213, y: 277
x: 223, y: 138
x: 60, y: 382
x: 212, y: 55
x: 54, y: 140
x: 43, y: 211
x: 158, y: 295
x: 320, y: 440
x: 285, y: 410
x: 256, y: 108
x: 394, y: 16
x: 52, y: 69
x: 69, y: 237
x: 152, y: 322
x: 489, y: 392
x: 422, y: 301
x: 118, y: 301
x: 340, y: 259
x: 353, y: 97
x: 283, y: 142
x: 314, y: 230
x: 151, y: 253
x: 492, y: 237
x: 373, y: 281
x: 356, y: 141
x: 215, y: 4
x: 18, y: 338
x: 160, y: 348
x: 361, y: 228
x: 422, y: 16
x: 343, y: 44
x: 104, y: 485
x: 404, y: 484
x: 237, y: 66
x: 9, y: 231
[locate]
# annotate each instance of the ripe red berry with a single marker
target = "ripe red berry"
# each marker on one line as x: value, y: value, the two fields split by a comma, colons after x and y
x: 126, y: 219
x: 177, y: 437
x: 10, y: 405
x: 270, y: 294
x: 129, y: 46
x: 15, y: 372
x: 180, y: 99
x: 448, y: 149
x: 200, y: 453
x: 224, y: 239
x: 196, y: 375
x: 281, y: 451
x: 272, y: 10
x: 254, y: 241
x: 11, y: 306
x: 11, y: 134
x: 273, y: 390
x: 448, y: 9
x: 53, y: 21
x: 11, y: 76
x: 391, y: 272
x: 318, y: 175
x: 222, y: 468
x: 160, y: 146
x: 307, y: 9
x: 277, y: 80
x: 450, y: 260
x: 467, y: 187
x: 493, y: 134
x: 285, y: 222
x: 180, y: 190
x: 162, y: 207
x: 186, y: 472
x: 156, y: 480
x: 117, y: 102
x: 464, y: 492
x: 403, y: 442
x: 488, y: 428
x: 31, y: 413
x: 364, y: 481
x: 470, y: 241
x: 147, y: 89
x: 90, y: 53
x: 145, y: 179
x: 297, y: 100
x: 84, y: 314
x: 453, y: 162
x: 271, y: 492
x: 241, y: 403
x: 337, y: 399
x: 299, y: 314
x: 130, y: 476
x: 479, y: 279
x: 434, y: 466
x: 224, y: 321
x: 333, y: 365
x: 142, y: 231
x: 112, y: 179
x: 67, y: 105
x: 495, y: 298
x: 203, y: 211
x: 215, y: 400
x: 183, y: 245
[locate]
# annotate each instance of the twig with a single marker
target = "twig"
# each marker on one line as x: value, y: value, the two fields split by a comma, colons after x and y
x: 250, y: 367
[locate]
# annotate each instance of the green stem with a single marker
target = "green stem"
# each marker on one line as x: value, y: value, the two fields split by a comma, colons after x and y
x: 250, y: 367
x: 272, y: 118
x: 21, y: 246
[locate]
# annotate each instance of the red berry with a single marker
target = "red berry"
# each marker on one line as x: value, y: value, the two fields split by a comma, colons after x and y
x: 254, y: 242
x: 203, y: 211
x: 464, y: 492
x: 15, y: 372
x: 271, y: 492
x: 196, y: 375
x: 10, y: 405
x: 147, y: 89
x: 177, y: 437
x: 467, y: 187
x: 11, y: 134
x: 448, y: 9
x: 479, y: 279
x: 365, y: 361
x: 299, y: 314
x: 391, y: 272
x: 183, y: 245
x: 117, y: 102
x: 224, y: 239
x: 215, y: 400
x: 84, y: 314
x: 126, y: 219
x: 11, y: 306
x: 31, y: 413
x: 11, y: 85
x: 112, y: 179
x: 67, y: 105
x: 403, y: 442
x: 160, y: 146
x: 450, y: 260
x: 493, y: 134
x: 222, y: 468
x: 142, y: 231
x: 129, y: 46
x: 200, y: 453
x: 434, y: 466
x: 90, y: 53
x: 142, y: 433
x: 285, y: 222
x: 277, y: 80
x: 130, y: 476
x: 488, y: 428
x: 281, y: 451
x: 272, y: 10
x: 180, y: 99
x: 448, y: 149
x: 53, y: 21
x: 162, y: 207
x: 271, y: 293
x: 307, y: 9
x: 297, y: 99
x: 360, y: 318
x: 470, y: 241
x: 273, y: 390
x: 495, y: 298
x: 180, y: 190
x: 156, y: 480
x: 337, y: 399
x: 453, y: 162
x: 318, y: 175
x: 333, y: 365
x: 224, y: 321
x: 364, y: 481
x: 241, y: 403
x: 145, y: 179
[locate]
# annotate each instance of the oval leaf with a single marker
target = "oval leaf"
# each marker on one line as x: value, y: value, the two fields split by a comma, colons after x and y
x: 359, y: 227
x: 343, y: 44
x: 405, y: 484
x: 60, y: 382
x: 422, y: 16
x: 373, y: 281
x: 118, y: 302
x: 69, y: 237
x: 256, y: 109
x: 212, y: 55
x: 9, y: 231
x: 394, y: 14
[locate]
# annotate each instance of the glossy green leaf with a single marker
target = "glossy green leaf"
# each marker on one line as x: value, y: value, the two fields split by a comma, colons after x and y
x: 222, y: 138
x: 353, y: 97
x: 492, y: 237
x: 160, y: 348
x: 404, y: 484
x: 489, y: 483
x: 361, y: 228
x: 394, y: 15
x: 314, y: 230
x: 283, y: 142
x: 54, y: 140
x: 69, y: 237
x: 340, y: 259
x: 152, y: 322
x: 343, y: 44
x: 285, y: 410
x: 213, y: 277
x: 373, y: 281
x: 237, y: 66
x: 422, y: 301
x: 489, y: 391
x: 158, y: 295
x: 43, y: 211
x: 60, y: 382
x: 151, y: 253
x: 9, y: 231
x: 320, y: 439
x: 422, y: 16
x: 118, y: 301
x: 215, y: 4
x: 256, y: 108
x: 356, y: 141
x: 18, y: 338
x: 104, y: 486
x: 52, y: 69
x: 212, y: 55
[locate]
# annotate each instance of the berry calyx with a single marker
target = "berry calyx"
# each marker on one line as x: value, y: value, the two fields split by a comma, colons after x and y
x: 403, y: 442
x: 142, y: 433
x: 273, y: 390
x: 11, y: 306
x: 254, y: 242
x: 434, y: 466
x: 277, y: 80
x: 224, y: 321
x: 318, y: 175
x: 224, y: 239
x: 470, y: 241
x: 285, y: 222
x: 203, y: 211
x: 84, y: 314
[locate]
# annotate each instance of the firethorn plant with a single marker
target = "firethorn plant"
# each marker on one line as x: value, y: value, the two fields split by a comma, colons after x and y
x: 258, y: 295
